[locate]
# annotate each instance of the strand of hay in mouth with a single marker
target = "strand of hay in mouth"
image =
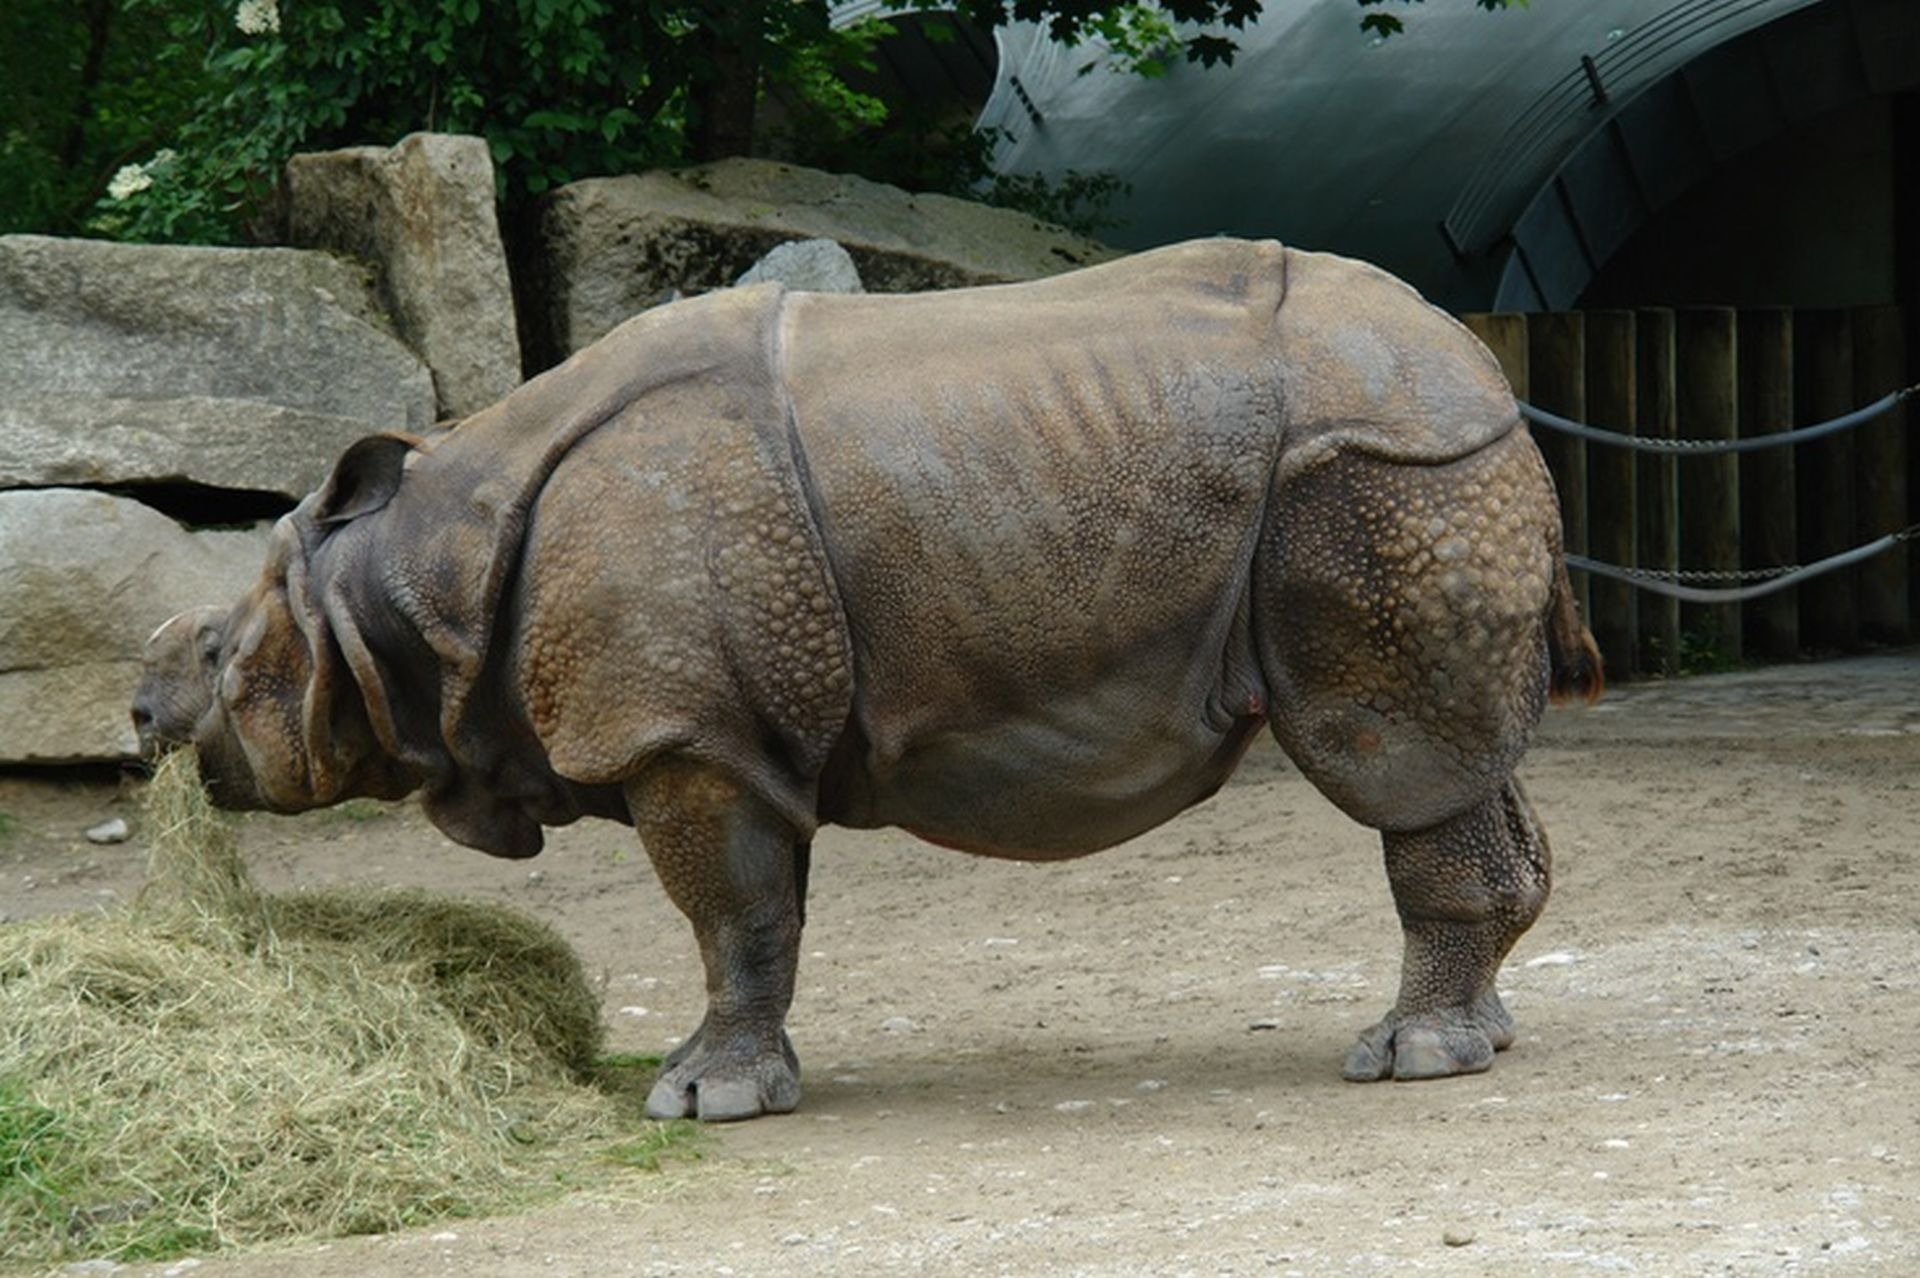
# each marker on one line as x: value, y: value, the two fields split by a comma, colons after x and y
x: 218, y: 1066
x: 193, y: 856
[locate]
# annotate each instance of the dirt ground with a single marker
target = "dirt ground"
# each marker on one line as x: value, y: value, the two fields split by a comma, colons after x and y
x: 1129, y: 1064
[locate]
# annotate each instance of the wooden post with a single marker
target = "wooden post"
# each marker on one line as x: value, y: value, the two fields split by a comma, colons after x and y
x: 1506, y: 336
x: 1768, y: 520
x: 1613, y: 531
x: 1880, y: 474
x: 1708, y: 407
x: 1823, y: 389
x: 1658, y: 487
x: 1557, y: 382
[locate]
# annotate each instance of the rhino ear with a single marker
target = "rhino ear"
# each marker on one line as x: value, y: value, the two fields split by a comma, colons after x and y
x: 364, y: 479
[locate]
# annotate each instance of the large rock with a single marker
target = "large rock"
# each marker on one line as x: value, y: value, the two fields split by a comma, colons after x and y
x: 84, y: 579
x: 94, y: 440
x: 422, y: 214
x: 299, y: 329
x: 807, y: 266
x: 615, y: 246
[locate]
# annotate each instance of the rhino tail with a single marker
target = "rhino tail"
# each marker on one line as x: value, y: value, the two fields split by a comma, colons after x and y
x: 1573, y: 656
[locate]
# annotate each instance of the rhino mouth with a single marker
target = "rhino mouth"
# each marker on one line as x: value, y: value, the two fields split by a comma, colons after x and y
x: 229, y: 783
x: 153, y: 746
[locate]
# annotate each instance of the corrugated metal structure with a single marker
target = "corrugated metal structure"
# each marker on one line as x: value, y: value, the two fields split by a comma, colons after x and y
x: 1496, y: 160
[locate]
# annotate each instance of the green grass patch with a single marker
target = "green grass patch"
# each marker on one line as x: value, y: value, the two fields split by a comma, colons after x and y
x: 217, y: 1067
x: 33, y: 1141
x: 357, y: 811
x: 680, y: 1140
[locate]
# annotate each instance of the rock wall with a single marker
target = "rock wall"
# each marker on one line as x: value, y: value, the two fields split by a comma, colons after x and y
x: 85, y: 577
x: 301, y: 330
x: 193, y: 377
x: 612, y: 247
x: 422, y: 214
x: 130, y: 367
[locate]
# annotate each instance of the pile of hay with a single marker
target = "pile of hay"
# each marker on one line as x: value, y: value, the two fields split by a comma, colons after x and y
x: 216, y: 1066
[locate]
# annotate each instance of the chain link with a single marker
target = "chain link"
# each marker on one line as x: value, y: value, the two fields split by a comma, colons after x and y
x: 1706, y: 574
x: 1673, y: 582
x: 1705, y: 447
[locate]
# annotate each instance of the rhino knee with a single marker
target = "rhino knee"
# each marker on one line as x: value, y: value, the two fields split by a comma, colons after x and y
x: 1489, y: 864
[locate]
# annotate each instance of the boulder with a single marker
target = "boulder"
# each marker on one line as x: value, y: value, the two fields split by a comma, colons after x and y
x: 84, y: 579
x: 96, y: 440
x: 299, y: 329
x: 422, y: 214
x: 611, y: 247
x: 809, y: 266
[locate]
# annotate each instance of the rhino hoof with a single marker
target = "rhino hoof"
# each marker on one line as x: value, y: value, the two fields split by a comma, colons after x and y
x: 716, y: 1100
x: 1418, y: 1047
x: 716, y: 1088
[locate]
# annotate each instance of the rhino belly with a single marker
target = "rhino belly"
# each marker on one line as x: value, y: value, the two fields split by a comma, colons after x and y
x: 1047, y: 786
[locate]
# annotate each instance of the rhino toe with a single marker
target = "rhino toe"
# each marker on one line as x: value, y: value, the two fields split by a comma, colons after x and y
x: 1421, y: 1052
x: 722, y: 1086
x: 1425, y: 1046
x: 1369, y: 1060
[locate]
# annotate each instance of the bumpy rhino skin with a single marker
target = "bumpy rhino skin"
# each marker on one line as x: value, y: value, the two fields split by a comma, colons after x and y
x: 1021, y: 569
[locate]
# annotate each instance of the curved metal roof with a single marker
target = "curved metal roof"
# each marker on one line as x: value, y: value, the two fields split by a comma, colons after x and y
x: 1493, y: 159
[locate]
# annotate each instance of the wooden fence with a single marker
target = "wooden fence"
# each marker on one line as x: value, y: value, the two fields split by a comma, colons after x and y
x: 1720, y: 373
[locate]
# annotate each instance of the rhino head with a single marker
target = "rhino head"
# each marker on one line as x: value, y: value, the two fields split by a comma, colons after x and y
x: 261, y: 689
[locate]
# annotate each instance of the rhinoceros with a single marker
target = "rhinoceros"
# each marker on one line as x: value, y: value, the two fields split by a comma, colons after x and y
x: 1021, y: 569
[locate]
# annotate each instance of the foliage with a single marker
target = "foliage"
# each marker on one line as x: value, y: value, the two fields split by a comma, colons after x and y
x: 171, y: 119
x: 1386, y: 24
x: 1138, y: 31
x: 85, y: 88
x: 557, y: 87
x: 1701, y: 652
x: 1078, y: 201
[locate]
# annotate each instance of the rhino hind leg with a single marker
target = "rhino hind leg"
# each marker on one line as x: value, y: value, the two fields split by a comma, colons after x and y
x: 1466, y: 890
x: 732, y: 865
x: 1399, y: 619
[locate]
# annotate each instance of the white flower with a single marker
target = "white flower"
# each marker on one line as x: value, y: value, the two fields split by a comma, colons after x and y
x: 130, y: 180
x: 257, y: 17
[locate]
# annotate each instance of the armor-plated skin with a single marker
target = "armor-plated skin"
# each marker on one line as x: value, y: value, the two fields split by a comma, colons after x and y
x: 1021, y: 569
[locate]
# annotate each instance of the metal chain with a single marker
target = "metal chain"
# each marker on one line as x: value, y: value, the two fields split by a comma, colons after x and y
x: 1743, y: 574
x: 1672, y: 582
x: 1700, y: 447
x: 1707, y: 574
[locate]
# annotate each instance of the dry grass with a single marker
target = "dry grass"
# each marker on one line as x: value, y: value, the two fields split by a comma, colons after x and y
x: 217, y: 1066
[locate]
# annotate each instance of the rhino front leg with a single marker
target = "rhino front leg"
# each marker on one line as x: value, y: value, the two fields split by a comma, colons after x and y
x: 731, y: 864
x: 1466, y: 890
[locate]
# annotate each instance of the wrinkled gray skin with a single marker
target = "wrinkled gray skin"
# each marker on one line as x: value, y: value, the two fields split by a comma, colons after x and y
x: 1020, y: 569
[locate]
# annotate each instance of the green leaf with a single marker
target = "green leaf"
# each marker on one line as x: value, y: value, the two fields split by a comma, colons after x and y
x: 1211, y: 51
